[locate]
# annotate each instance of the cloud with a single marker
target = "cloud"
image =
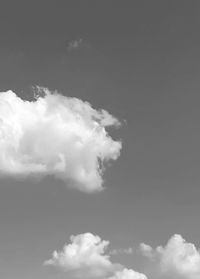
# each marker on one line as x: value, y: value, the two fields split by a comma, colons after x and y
x: 147, y: 250
x: 178, y: 259
x: 85, y: 257
x: 56, y: 135
x: 128, y: 274
x: 74, y: 44
x: 127, y: 251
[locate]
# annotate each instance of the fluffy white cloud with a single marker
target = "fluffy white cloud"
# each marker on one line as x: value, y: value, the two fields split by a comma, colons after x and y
x: 178, y: 259
x: 85, y: 257
x: 128, y: 274
x: 55, y: 135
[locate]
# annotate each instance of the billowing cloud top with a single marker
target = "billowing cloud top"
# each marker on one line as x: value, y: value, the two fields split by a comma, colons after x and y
x: 85, y: 257
x: 55, y: 135
x: 178, y: 259
x: 128, y: 274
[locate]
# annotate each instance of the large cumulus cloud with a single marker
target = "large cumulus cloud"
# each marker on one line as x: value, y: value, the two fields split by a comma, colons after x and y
x: 178, y: 259
x: 57, y: 135
x: 85, y: 257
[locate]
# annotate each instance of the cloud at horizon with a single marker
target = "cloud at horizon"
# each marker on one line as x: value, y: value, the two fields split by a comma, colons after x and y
x: 177, y: 259
x: 55, y: 135
x: 85, y: 257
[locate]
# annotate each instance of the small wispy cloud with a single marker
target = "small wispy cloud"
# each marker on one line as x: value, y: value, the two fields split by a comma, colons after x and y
x: 74, y: 44
x: 127, y: 251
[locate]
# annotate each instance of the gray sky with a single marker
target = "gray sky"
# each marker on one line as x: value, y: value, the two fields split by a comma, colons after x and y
x: 140, y: 61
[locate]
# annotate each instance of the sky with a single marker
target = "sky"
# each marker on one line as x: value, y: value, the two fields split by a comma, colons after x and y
x: 118, y: 80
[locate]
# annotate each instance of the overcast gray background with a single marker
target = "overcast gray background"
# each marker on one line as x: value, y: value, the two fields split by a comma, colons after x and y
x: 140, y: 60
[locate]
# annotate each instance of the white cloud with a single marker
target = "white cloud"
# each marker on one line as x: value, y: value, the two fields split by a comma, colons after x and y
x: 74, y: 44
x: 127, y: 251
x: 147, y: 250
x: 85, y: 257
x: 178, y: 259
x: 128, y: 274
x: 55, y: 135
